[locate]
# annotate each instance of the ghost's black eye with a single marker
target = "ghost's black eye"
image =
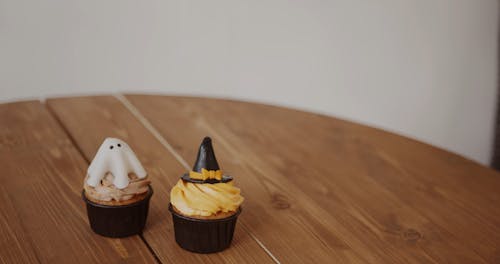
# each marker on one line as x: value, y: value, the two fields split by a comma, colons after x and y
x: 119, y: 145
x: 110, y: 147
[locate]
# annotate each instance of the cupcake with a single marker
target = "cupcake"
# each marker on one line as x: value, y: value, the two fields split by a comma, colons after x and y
x: 205, y: 205
x: 116, y: 191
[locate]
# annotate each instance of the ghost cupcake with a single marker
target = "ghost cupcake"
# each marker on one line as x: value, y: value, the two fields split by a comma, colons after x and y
x: 205, y: 205
x: 116, y: 191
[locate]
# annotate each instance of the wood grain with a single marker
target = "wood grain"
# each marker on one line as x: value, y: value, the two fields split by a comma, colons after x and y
x: 321, y: 189
x: 90, y: 119
x: 317, y: 189
x: 42, y: 217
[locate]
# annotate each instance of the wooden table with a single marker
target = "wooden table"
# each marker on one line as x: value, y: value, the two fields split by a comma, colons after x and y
x: 317, y: 189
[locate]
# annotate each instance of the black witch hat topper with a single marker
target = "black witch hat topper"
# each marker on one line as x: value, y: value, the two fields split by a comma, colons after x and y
x: 206, y: 169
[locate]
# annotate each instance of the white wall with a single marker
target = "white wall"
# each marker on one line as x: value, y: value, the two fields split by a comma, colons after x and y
x: 424, y: 68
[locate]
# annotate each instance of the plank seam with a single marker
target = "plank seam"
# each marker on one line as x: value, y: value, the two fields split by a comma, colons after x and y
x: 82, y: 154
x: 150, y: 249
x: 145, y: 122
x: 65, y: 131
x: 151, y: 129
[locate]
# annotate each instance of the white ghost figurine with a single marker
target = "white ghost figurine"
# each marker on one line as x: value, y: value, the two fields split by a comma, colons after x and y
x: 116, y: 157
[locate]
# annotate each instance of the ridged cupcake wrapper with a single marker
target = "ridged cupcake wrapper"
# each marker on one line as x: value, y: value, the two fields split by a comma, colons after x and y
x: 203, y: 235
x: 118, y: 220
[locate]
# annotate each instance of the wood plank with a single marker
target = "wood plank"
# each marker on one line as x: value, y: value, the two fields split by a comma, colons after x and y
x: 107, y: 117
x: 351, y: 187
x: 42, y: 216
x: 278, y: 209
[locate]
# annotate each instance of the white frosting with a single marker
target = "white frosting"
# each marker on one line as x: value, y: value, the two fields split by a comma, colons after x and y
x: 116, y: 157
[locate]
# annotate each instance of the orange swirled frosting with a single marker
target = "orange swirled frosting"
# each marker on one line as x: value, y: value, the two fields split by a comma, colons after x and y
x: 195, y: 199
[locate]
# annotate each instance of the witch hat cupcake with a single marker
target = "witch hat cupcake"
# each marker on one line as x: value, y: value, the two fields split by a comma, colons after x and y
x: 205, y: 205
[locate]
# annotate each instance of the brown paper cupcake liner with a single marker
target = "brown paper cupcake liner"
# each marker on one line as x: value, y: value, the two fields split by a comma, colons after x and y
x: 118, y: 220
x: 203, y: 235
